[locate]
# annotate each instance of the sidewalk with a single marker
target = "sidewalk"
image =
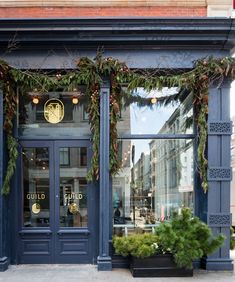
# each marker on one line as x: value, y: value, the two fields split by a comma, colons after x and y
x: 89, y: 273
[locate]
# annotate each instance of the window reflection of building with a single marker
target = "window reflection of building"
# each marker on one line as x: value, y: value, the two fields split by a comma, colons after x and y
x: 73, y: 186
x: 36, y: 186
x: 141, y: 179
x: 64, y: 156
x: 173, y: 181
x: 122, y: 181
x: 73, y: 189
x: 157, y: 175
x: 172, y: 165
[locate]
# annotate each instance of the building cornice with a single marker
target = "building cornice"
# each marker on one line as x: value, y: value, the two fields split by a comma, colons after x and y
x: 211, y: 33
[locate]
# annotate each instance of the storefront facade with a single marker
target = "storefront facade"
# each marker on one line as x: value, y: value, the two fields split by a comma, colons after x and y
x: 53, y: 214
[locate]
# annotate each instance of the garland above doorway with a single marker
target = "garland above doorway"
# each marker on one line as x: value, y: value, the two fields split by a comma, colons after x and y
x: 90, y: 73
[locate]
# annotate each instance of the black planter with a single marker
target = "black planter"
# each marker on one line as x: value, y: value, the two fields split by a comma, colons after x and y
x: 157, y: 266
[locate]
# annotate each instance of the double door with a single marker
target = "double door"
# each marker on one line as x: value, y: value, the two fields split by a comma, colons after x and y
x: 58, y: 219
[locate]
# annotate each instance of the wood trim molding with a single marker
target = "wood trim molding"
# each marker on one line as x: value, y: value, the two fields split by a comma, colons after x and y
x: 104, y: 3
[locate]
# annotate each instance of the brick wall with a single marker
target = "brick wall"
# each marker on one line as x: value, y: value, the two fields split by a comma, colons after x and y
x: 103, y: 3
x: 114, y: 8
x: 68, y: 12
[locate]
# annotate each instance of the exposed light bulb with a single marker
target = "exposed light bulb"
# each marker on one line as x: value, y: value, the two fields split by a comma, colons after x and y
x: 75, y: 100
x: 154, y: 100
x: 35, y: 100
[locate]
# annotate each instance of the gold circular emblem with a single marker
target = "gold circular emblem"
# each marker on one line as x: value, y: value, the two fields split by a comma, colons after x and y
x: 36, y: 208
x: 73, y: 208
x: 54, y: 110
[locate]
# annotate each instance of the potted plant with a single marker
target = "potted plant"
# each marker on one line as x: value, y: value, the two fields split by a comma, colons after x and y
x: 171, y: 250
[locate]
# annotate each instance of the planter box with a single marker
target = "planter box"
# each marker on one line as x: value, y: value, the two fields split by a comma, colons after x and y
x: 157, y: 266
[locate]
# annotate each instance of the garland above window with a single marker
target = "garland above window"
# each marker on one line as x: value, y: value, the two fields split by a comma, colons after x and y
x: 90, y: 73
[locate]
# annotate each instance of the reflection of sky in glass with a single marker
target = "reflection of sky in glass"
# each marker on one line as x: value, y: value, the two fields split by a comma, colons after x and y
x: 146, y: 120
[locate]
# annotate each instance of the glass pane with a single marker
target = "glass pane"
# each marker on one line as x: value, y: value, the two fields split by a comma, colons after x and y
x: 175, y: 118
x: 53, y: 114
x: 36, y: 187
x: 73, y: 187
x: 156, y: 179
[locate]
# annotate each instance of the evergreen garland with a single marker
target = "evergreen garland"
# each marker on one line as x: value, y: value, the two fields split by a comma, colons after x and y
x: 8, y: 86
x: 91, y: 73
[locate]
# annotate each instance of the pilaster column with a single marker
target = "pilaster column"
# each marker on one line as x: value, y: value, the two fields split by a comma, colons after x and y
x: 4, y: 261
x: 217, y: 207
x: 104, y: 260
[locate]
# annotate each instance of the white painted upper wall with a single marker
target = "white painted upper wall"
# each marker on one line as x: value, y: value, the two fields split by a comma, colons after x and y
x: 219, y: 8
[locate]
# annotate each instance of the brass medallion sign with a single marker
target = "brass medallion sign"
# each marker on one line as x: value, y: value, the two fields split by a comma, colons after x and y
x: 73, y: 208
x: 36, y: 208
x: 54, y: 110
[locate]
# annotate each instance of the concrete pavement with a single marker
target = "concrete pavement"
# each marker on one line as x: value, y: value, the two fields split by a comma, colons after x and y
x: 89, y: 273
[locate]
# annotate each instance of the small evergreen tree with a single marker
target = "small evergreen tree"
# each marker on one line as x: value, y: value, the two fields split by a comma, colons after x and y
x: 187, y: 238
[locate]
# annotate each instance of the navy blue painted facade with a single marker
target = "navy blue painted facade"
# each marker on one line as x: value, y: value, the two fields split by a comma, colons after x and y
x: 141, y: 43
x: 104, y: 260
x: 219, y: 173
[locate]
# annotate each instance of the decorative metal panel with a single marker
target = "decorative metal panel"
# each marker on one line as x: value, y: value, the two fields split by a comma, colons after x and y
x: 219, y: 174
x: 220, y: 128
x: 219, y: 219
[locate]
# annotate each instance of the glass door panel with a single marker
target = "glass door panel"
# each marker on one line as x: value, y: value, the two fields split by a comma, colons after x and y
x: 57, y: 203
x: 73, y: 186
x: 36, y: 196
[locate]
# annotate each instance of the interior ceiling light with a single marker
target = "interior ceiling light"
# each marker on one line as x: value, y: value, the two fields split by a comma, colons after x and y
x: 35, y: 100
x: 75, y: 100
x: 154, y: 100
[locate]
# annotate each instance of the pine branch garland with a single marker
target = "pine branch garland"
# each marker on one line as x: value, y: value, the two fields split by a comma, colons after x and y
x: 90, y: 72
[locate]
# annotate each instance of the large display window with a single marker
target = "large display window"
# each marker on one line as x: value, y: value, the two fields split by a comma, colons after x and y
x: 156, y: 177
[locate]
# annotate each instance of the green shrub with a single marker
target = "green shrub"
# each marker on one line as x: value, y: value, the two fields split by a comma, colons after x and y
x: 137, y: 245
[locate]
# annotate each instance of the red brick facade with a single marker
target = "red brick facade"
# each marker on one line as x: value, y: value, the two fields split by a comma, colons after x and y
x: 70, y: 12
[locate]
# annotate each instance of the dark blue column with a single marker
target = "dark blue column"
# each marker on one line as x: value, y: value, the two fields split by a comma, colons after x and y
x: 217, y: 211
x: 104, y: 260
x: 4, y: 261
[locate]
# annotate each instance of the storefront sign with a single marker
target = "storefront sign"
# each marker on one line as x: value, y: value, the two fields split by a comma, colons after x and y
x: 73, y: 196
x: 35, y: 196
x: 36, y: 208
x: 54, y: 110
x: 73, y: 208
